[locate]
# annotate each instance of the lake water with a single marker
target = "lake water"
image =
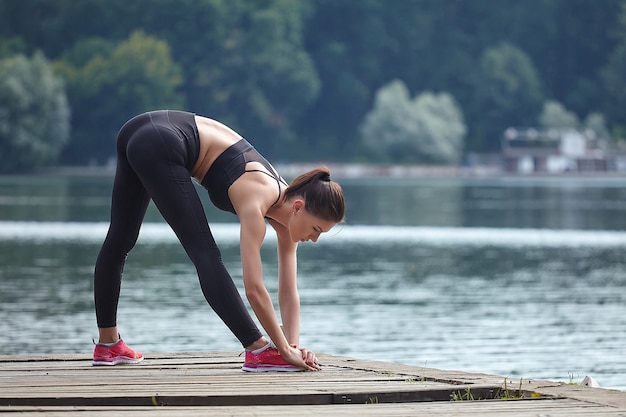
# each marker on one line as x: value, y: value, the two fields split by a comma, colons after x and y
x: 518, y: 277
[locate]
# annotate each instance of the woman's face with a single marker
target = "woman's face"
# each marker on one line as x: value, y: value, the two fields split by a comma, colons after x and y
x: 304, y: 226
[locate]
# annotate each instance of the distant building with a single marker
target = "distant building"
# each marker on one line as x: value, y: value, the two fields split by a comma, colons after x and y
x: 533, y: 150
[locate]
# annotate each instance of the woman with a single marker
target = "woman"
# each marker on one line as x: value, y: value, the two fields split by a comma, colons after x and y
x: 158, y: 154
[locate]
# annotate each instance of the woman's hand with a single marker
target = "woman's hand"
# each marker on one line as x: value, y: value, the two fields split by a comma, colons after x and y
x: 310, y: 358
x: 302, y: 358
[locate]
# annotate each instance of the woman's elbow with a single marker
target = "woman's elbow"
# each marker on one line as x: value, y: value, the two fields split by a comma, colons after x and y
x: 254, y: 294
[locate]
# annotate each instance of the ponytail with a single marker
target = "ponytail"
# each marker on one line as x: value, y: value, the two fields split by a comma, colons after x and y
x: 322, y: 196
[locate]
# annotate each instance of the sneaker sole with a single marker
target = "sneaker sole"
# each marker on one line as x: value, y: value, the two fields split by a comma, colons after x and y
x: 272, y: 369
x: 118, y: 361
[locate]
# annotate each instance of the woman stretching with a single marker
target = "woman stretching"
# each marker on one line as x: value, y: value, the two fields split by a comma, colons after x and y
x: 158, y: 154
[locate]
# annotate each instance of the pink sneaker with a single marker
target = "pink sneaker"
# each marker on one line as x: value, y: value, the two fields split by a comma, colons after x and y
x: 267, y: 360
x: 112, y: 355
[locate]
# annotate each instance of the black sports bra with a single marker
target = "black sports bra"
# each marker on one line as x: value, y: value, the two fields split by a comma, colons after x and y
x: 231, y: 165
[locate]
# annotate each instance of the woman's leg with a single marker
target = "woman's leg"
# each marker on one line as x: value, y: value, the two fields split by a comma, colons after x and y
x: 157, y: 157
x: 128, y: 207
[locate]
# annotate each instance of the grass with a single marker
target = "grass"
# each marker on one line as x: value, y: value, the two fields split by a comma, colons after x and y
x: 571, y: 379
x: 505, y: 392
x: 463, y: 396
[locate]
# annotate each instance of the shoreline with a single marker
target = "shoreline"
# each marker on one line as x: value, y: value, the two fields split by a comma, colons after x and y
x: 357, y: 170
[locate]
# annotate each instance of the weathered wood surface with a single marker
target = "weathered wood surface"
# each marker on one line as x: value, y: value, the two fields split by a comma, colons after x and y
x: 201, y: 384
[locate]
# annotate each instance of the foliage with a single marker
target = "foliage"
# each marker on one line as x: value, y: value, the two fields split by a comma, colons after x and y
x: 596, y: 123
x: 34, y: 114
x: 107, y: 84
x: 507, y: 90
x: 613, y: 78
x: 10, y: 47
x: 428, y: 128
x: 306, y: 73
x: 554, y: 115
x: 275, y: 79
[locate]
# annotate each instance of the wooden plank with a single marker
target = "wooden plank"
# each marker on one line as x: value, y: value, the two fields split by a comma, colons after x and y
x: 557, y: 408
x: 212, y: 384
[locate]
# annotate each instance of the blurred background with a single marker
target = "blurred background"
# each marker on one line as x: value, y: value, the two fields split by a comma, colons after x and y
x: 480, y: 145
x: 397, y: 81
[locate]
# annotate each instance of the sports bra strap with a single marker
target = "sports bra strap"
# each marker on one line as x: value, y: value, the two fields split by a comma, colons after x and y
x: 277, y: 177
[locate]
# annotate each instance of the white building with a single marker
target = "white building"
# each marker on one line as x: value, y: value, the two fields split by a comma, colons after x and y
x: 532, y: 150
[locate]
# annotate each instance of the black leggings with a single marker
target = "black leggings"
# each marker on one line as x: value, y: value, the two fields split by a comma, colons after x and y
x: 154, y: 159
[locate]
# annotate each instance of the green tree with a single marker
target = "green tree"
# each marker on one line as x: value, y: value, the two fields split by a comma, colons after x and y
x: 596, y: 123
x: 426, y: 129
x: 280, y: 69
x: 243, y: 62
x: 256, y: 75
x: 507, y: 93
x: 11, y: 46
x: 577, y: 38
x: 279, y: 78
x: 614, y: 81
x: 357, y: 47
x: 34, y: 114
x: 554, y: 115
x: 109, y: 87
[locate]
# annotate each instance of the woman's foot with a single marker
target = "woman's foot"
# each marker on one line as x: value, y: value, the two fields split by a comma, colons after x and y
x: 114, y: 353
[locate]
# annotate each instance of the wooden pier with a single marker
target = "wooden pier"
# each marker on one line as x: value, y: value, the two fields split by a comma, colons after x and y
x: 212, y: 384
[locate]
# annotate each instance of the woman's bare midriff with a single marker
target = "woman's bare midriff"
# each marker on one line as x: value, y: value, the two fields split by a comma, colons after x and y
x: 215, y: 138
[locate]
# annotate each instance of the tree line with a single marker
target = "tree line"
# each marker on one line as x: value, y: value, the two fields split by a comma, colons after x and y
x: 406, y: 81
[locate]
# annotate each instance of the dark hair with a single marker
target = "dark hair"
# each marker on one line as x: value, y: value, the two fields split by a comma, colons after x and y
x: 322, y: 196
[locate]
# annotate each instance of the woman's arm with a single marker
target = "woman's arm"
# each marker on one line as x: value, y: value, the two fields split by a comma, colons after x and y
x: 251, y: 237
x: 288, y: 297
x: 251, y: 212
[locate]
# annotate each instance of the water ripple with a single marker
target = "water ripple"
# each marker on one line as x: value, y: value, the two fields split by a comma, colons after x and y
x: 228, y: 233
